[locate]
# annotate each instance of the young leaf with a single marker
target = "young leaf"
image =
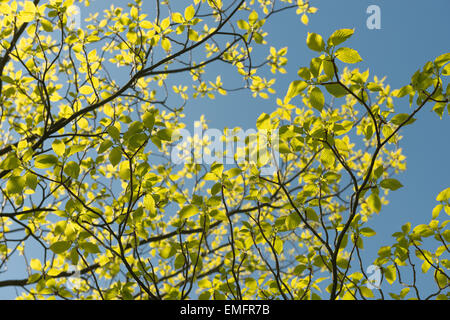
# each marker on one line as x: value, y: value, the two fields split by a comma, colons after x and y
x: 444, y: 195
x: 149, y: 120
x: 315, y: 42
x: 188, y: 211
x: 348, y: 55
x: 317, y: 99
x: 367, y: 232
x: 292, y: 221
x: 60, y: 246
x: 189, y: 13
x: 336, y: 90
x: 374, y: 202
x: 59, y: 147
x: 391, y: 184
x: 15, y: 185
x: 340, y: 36
x: 294, y: 89
x: 45, y: 161
x: 72, y: 169
x: 263, y: 122
x: 400, y: 118
x: 165, y: 134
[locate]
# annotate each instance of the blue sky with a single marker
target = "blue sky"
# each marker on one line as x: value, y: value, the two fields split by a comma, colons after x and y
x: 412, y: 33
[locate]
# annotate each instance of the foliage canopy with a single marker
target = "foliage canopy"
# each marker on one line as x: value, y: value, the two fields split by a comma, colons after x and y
x: 88, y: 182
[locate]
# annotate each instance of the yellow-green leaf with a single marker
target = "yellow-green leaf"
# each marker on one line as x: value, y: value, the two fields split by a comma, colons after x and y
x: 263, y: 122
x: 188, y: 211
x: 348, y: 55
x: 340, y: 36
x: 36, y: 264
x: 444, y: 195
x: 59, y: 147
x: 86, y: 90
x: 317, y: 99
x: 315, y: 42
x: 45, y: 161
x: 189, y: 13
x: 60, y: 246
x: 294, y: 89
x: 391, y: 184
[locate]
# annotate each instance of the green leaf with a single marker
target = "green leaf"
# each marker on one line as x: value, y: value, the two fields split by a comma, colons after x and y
x: 390, y: 273
x: 263, y: 122
x: 311, y: 214
x: 253, y: 17
x: 134, y: 13
x: 36, y: 264
x: 294, y: 89
x: 205, y: 295
x: 366, y: 292
x: 192, y: 35
x: 90, y: 247
x: 149, y: 120
x: 425, y: 266
x: 391, y: 184
x: 367, y: 232
x: 47, y: 25
x: 60, y: 246
x: 292, y: 221
x: 423, y: 230
x: 215, y: 189
x: 115, y: 156
x: 124, y: 170
x: 167, y: 252
x: 45, y: 161
x: 446, y: 70
x: 242, y: 24
x: 251, y: 283
x: 327, y: 157
x: 316, y: 98
x: 436, y: 210
x: 34, y: 278
x: 340, y: 36
x: 374, y: 202
x: 233, y: 172
x: 278, y: 245
x: 114, y: 133
x: 342, y: 128
x: 315, y: 67
x: 283, y: 147
x: 348, y: 55
x: 165, y: 134
x: 59, y: 147
x: 15, y: 184
x: 400, y: 118
x: 188, y: 211
x: 403, y: 91
x: 304, y: 73
x: 328, y: 68
x: 11, y: 162
x: 149, y: 203
x: 86, y: 90
x: 441, y: 280
x: 72, y: 169
x: 189, y: 13
x: 444, y: 195
x: 442, y: 59
x: 315, y: 42
x: 105, y: 145
x: 31, y: 181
